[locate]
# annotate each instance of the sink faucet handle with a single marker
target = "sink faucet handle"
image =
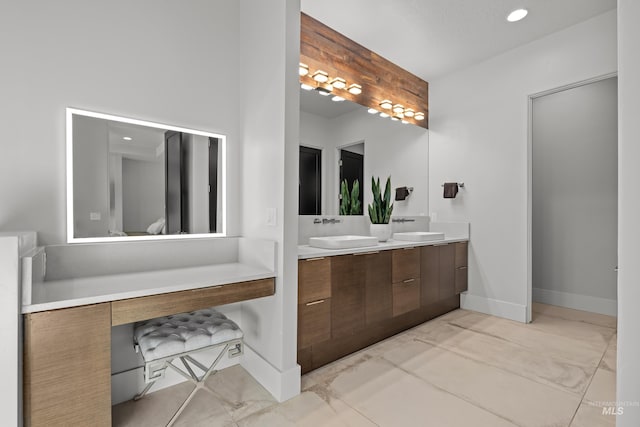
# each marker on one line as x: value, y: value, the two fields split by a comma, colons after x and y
x: 317, y: 221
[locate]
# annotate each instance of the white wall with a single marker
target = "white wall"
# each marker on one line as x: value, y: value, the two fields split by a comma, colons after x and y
x: 390, y: 149
x: 628, y: 377
x: 478, y: 135
x: 143, y: 193
x: 90, y: 159
x: 198, y: 176
x: 270, y: 33
x: 575, y: 197
x: 135, y: 59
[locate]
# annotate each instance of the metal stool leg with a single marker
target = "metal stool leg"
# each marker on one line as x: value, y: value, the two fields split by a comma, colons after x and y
x: 143, y: 392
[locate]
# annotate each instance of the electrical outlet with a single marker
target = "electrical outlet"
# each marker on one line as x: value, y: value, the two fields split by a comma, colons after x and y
x: 271, y: 217
x: 95, y: 216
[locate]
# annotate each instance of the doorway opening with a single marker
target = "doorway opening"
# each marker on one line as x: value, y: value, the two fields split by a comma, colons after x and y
x: 351, y: 167
x: 573, y: 194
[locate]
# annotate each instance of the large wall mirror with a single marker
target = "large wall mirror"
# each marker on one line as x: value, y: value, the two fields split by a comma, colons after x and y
x: 130, y: 179
x: 341, y: 143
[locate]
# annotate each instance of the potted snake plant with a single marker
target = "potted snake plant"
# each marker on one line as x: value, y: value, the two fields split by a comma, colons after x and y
x: 380, y: 210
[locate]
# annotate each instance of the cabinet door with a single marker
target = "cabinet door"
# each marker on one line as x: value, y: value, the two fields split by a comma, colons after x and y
x: 429, y: 274
x: 67, y: 367
x: 378, y: 305
x: 446, y: 264
x: 348, y: 276
x: 461, y: 263
x: 314, y: 322
x: 314, y: 279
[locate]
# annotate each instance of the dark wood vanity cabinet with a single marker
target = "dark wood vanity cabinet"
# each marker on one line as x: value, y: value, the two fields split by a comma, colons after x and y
x: 461, y: 263
x: 314, y: 301
x: 406, y: 280
x: 348, y: 302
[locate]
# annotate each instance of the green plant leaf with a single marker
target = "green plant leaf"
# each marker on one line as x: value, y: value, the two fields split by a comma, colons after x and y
x: 344, y: 199
x: 356, y: 208
x: 381, y: 208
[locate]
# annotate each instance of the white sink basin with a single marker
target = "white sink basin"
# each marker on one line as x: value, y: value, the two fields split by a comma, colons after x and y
x: 342, y: 242
x: 419, y: 236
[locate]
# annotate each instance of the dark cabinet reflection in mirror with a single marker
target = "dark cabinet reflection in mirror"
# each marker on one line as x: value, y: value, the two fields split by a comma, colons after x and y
x: 136, y: 180
x: 310, y: 186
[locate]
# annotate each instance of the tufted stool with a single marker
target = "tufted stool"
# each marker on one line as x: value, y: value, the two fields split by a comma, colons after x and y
x: 163, y: 339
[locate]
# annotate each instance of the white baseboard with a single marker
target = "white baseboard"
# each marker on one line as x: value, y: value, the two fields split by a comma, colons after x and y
x: 125, y: 385
x: 282, y: 385
x: 494, y: 307
x: 576, y: 301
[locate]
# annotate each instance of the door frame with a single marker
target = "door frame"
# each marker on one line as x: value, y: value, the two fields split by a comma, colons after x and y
x: 530, y: 99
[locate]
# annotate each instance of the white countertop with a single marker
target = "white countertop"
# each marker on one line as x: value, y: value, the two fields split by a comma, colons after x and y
x: 306, y: 251
x: 92, y: 290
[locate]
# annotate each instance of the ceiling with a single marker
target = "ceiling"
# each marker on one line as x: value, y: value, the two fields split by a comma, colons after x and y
x: 431, y: 38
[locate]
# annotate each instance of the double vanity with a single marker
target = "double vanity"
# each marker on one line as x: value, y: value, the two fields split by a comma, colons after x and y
x: 352, y: 297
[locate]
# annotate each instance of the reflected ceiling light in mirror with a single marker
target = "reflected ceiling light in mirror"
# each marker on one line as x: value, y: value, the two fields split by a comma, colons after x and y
x: 409, y: 112
x: 386, y: 104
x: 306, y: 87
x: 419, y: 116
x: 339, y: 83
x: 384, y: 115
x: 320, y: 76
x: 398, y: 108
x: 372, y: 111
x: 517, y: 15
x: 355, y: 89
x: 127, y: 138
x: 337, y: 99
x: 303, y: 69
x: 324, y: 89
x: 404, y: 122
x: 395, y: 119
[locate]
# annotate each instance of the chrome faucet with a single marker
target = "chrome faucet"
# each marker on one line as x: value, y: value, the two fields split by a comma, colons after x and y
x: 403, y: 220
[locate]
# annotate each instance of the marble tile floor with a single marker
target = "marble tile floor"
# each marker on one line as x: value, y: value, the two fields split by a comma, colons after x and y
x: 461, y: 369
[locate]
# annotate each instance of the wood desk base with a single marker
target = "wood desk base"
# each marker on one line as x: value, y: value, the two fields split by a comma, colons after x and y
x: 67, y: 352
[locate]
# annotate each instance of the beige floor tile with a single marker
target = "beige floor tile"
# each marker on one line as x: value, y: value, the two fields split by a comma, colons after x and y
x: 594, y: 335
x: 536, y: 339
x: 507, y: 355
x: 156, y: 409
x: 609, y: 360
x: 239, y: 392
x: 577, y: 315
x: 311, y: 408
x: 391, y: 397
x: 602, y: 387
x: 518, y: 399
x: 592, y: 416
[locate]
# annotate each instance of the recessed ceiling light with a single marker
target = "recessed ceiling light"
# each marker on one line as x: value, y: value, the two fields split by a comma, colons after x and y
x: 306, y: 87
x: 127, y: 138
x: 517, y: 15
x: 372, y: 111
x: 337, y: 99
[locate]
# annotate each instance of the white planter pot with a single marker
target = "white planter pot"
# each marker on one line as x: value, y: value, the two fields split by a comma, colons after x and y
x: 381, y: 231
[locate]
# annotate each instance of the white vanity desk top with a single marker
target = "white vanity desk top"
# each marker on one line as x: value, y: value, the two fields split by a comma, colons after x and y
x: 306, y: 251
x: 50, y: 295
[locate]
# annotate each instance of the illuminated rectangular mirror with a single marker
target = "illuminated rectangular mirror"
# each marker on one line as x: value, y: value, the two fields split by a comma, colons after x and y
x: 130, y: 179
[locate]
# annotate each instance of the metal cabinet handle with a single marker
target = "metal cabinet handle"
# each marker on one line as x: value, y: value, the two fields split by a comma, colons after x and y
x: 408, y: 280
x: 314, y: 302
x: 314, y: 259
x: 464, y: 267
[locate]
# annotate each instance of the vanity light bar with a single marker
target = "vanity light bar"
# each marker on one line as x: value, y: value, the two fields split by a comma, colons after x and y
x: 355, y: 89
x: 320, y: 76
x: 324, y: 81
x: 303, y: 69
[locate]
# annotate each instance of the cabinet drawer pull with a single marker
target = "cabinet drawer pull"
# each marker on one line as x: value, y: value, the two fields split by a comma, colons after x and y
x: 464, y: 267
x: 314, y: 259
x: 314, y: 302
x: 367, y: 253
x: 408, y: 280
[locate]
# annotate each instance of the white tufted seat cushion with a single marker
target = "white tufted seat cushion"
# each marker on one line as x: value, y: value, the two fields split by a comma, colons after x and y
x: 184, y: 332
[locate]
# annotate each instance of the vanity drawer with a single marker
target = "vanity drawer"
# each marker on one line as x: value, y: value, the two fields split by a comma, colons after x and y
x: 406, y: 296
x: 405, y: 264
x: 314, y: 322
x: 314, y: 279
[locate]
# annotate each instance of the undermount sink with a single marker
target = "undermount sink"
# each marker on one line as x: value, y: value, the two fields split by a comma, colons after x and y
x: 419, y: 236
x: 342, y: 242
